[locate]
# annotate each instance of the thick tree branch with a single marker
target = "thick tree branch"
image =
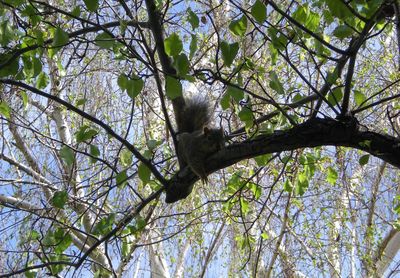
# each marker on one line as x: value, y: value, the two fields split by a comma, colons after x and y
x: 313, y: 133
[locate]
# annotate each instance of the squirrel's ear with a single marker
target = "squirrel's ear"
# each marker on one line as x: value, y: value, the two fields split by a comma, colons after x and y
x: 206, y: 130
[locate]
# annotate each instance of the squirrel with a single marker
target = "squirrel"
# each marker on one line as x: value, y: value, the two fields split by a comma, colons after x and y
x: 196, y: 141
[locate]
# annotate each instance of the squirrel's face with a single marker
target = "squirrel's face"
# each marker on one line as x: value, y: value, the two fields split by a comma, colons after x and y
x: 215, y: 138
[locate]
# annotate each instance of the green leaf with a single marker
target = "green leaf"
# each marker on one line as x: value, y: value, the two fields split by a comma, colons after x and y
x: 94, y: 151
x: 257, y: 190
x: 302, y: 184
x: 39, y: 37
x: 59, y: 199
x: 144, y: 173
x: 313, y: 21
x: 335, y: 96
x: 122, y: 81
x: 6, y: 33
x: 92, y: 5
x: 125, y: 157
x: 262, y: 160
x: 288, y: 186
x: 365, y: 144
x: 306, y: 17
x: 182, y: 64
x: 5, y: 109
x: 173, y: 87
x: 301, y: 14
x: 152, y: 144
x: 85, y: 133
x: 104, y: 40
x: 229, y: 52
x: 140, y: 223
x: 275, y: 84
x: 339, y: 9
x: 246, y: 114
x: 37, y: 66
x: 81, y: 101
x: 342, y: 31
x: 244, y: 206
x: 42, y: 81
x: 278, y: 40
x: 173, y: 45
x: 239, y: 27
x: 193, y: 19
x: 31, y: 12
x: 76, y: 11
x: 24, y: 99
x: 31, y: 273
x: 225, y: 101
x: 332, y: 176
x: 61, y: 38
x: 15, y: 3
x: 121, y: 178
x: 259, y: 11
x: 123, y: 25
x: 105, y: 225
x: 359, y: 98
x: 332, y: 76
x: 134, y: 87
x: 236, y: 93
x: 67, y: 155
x: 12, y: 68
x: 264, y: 236
x: 60, y: 240
x: 363, y: 160
x: 193, y: 46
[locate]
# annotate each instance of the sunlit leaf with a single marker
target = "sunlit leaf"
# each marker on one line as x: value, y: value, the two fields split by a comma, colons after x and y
x: 331, y: 176
x: 229, y: 52
x: 359, y: 98
x: 173, y: 87
x: 239, y: 27
x: 125, y: 157
x: 5, y: 109
x: 173, y: 45
x: 61, y: 38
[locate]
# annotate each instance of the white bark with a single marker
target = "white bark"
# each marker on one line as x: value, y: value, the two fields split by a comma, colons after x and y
x: 180, y: 265
x: 158, y: 264
x: 387, y: 252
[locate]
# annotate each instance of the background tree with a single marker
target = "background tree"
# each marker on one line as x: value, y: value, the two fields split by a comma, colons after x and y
x: 307, y: 93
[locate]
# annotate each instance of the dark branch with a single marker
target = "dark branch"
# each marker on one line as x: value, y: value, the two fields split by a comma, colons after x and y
x: 313, y: 133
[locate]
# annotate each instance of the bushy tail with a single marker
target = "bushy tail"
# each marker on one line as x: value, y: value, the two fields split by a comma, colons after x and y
x: 194, y: 116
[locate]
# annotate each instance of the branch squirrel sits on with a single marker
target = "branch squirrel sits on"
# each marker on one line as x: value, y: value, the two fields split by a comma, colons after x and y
x: 196, y: 141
